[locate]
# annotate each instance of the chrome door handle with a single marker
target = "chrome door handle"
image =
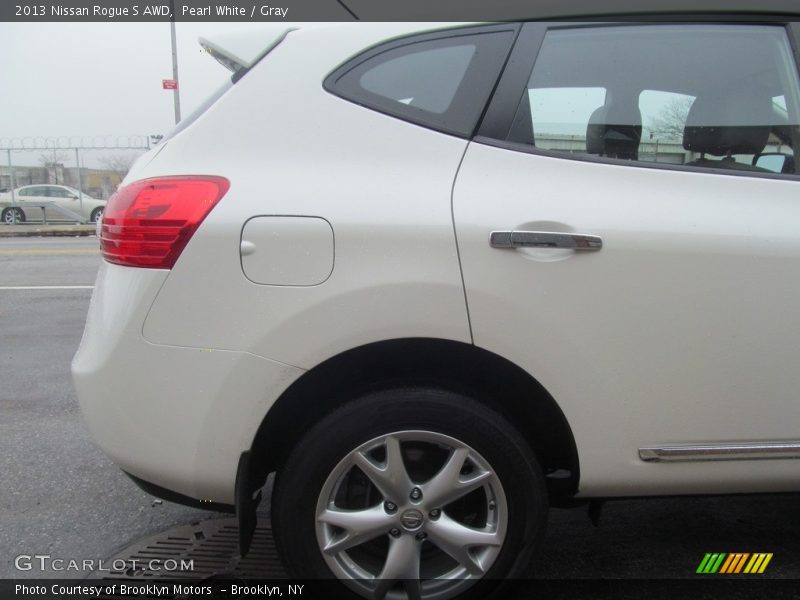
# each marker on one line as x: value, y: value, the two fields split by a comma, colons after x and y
x: 545, y: 239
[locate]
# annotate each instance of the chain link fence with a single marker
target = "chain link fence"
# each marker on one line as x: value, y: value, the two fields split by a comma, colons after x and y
x: 92, y: 165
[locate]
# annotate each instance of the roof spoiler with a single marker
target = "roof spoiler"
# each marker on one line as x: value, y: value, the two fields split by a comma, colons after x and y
x: 237, y: 51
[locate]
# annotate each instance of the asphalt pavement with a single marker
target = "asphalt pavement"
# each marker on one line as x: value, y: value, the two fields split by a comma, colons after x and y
x: 59, y: 495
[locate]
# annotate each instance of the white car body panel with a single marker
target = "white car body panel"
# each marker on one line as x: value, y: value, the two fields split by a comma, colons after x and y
x: 707, y: 267
x: 382, y: 286
x: 123, y: 385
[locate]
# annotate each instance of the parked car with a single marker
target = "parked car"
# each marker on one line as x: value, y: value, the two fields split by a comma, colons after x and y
x: 448, y: 276
x: 58, y: 199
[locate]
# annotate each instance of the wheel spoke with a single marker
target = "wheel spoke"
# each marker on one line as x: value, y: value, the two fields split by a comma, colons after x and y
x: 359, y: 526
x: 391, y: 478
x: 402, y: 564
x: 448, y: 485
x: 456, y: 540
x: 413, y: 589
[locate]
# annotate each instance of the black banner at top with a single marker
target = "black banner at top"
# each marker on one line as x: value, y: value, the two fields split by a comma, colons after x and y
x: 368, y: 10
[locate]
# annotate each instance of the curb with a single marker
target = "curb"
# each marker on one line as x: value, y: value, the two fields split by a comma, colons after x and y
x: 75, y: 231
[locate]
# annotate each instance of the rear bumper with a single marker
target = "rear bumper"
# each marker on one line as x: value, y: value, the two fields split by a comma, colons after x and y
x: 247, y: 500
x: 177, y: 418
x: 170, y: 496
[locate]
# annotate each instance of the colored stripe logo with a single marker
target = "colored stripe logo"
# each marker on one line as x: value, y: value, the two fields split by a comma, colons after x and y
x: 734, y: 563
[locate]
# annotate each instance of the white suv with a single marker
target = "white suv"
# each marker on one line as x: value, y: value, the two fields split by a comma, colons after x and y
x: 439, y: 278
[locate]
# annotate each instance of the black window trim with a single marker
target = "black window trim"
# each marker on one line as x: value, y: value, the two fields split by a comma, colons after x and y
x: 331, y: 80
x: 513, y: 83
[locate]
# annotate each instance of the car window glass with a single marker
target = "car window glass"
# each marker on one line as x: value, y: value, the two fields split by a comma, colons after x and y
x: 441, y: 83
x: 559, y: 115
x: 721, y: 97
x: 55, y: 192
x: 426, y: 79
x: 664, y: 116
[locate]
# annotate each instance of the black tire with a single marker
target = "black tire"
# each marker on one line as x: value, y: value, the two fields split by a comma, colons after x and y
x: 96, y: 213
x: 6, y: 216
x: 317, y: 459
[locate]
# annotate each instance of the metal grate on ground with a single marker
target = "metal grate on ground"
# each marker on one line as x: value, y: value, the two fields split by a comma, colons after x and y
x: 211, y: 545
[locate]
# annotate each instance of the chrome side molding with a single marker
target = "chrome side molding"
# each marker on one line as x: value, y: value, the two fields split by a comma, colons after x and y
x: 698, y: 452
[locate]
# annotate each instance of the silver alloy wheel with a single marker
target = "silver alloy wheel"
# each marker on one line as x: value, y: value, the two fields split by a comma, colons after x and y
x: 12, y: 216
x: 411, y: 514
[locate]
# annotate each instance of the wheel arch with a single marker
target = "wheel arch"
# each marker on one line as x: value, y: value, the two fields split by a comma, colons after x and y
x: 457, y: 366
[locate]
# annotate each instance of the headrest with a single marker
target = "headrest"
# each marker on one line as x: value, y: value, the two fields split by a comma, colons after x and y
x: 614, y: 131
x: 595, y: 130
x: 736, y: 125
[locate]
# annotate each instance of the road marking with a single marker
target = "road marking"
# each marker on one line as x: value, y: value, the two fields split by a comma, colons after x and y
x: 46, y: 287
x: 64, y: 252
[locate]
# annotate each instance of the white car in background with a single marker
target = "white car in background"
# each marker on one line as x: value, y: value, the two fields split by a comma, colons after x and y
x: 439, y: 278
x: 29, y: 199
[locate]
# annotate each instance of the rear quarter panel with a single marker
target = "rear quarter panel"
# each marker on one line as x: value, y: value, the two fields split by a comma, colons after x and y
x: 290, y: 148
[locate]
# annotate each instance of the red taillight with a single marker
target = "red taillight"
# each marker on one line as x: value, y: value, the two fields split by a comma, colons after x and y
x: 148, y: 223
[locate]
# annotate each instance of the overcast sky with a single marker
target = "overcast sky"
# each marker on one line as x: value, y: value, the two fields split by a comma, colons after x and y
x: 96, y: 80
x: 100, y: 79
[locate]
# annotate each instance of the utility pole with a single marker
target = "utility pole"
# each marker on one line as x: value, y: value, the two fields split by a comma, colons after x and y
x: 176, y: 96
x: 80, y: 182
x: 11, y: 178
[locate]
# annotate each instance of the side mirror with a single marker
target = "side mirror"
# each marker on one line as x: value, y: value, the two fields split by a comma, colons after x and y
x: 776, y: 162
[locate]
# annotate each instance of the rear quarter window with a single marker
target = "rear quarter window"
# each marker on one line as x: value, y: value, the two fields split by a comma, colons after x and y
x: 441, y: 81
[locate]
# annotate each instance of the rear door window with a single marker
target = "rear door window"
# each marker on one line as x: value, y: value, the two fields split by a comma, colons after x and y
x: 37, y: 192
x: 56, y: 192
x: 559, y: 115
x: 664, y: 117
x: 707, y: 96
